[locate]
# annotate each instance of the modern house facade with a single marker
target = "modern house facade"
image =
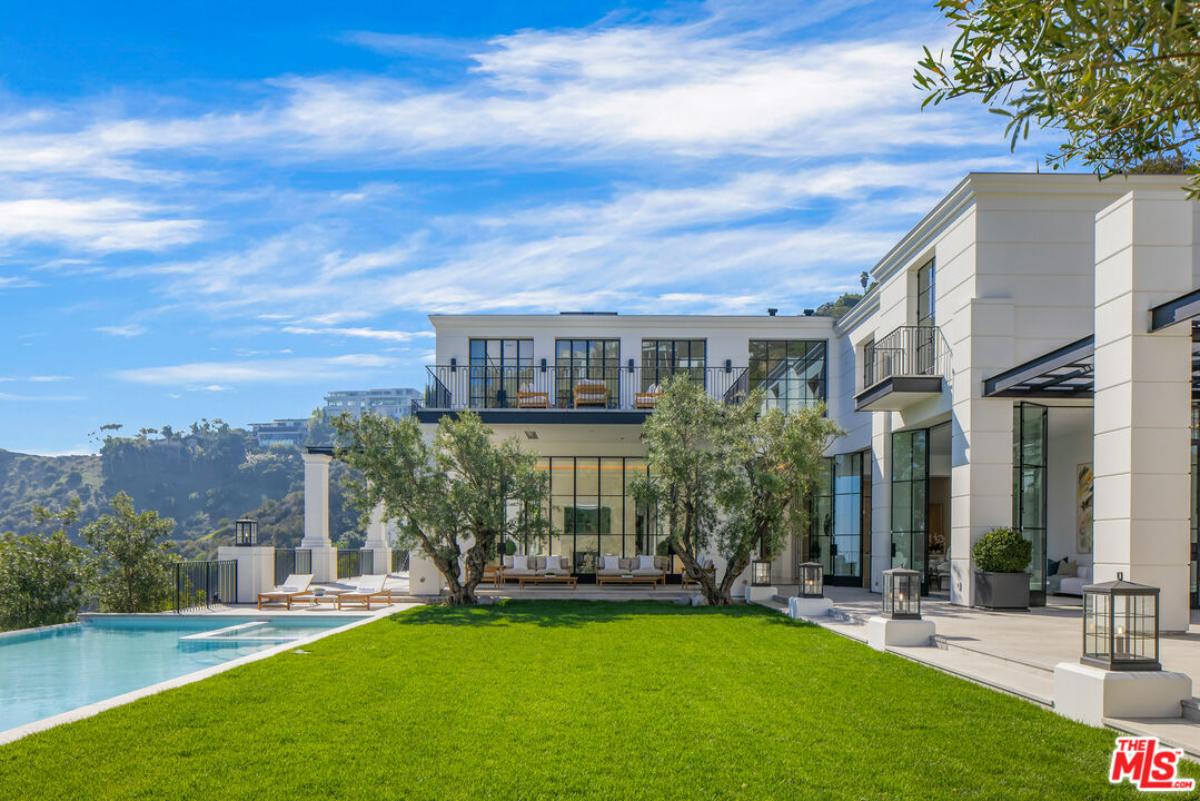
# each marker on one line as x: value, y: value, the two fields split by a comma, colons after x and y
x: 395, y: 402
x: 1024, y: 357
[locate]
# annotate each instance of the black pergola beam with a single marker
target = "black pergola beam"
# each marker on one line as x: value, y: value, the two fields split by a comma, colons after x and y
x: 1072, y: 354
x: 1183, y: 308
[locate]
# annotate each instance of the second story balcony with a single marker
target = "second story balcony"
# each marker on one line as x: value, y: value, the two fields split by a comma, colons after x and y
x: 566, y: 393
x: 908, y: 365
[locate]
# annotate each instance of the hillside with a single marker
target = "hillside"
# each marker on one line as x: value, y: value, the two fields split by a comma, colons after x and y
x: 204, y: 478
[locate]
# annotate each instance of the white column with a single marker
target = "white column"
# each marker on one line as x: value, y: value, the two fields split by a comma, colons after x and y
x: 255, y: 569
x: 981, y: 435
x: 1143, y: 399
x: 377, y: 541
x: 316, y: 516
x: 881, y: 497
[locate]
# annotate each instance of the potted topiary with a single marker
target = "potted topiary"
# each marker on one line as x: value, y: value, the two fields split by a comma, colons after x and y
x: 1001, y: 559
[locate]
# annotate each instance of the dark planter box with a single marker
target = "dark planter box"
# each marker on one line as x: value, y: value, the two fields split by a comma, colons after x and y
x: 1002, y: 590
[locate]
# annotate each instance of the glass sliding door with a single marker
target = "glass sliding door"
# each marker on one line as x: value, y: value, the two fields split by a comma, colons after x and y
x: 498, y: 367
x: 663, y: 358
x: 590, y: 361
x: 910, y: 500
x: 1029, y: 490
x: 1194, y: 567
x: 837, y: 522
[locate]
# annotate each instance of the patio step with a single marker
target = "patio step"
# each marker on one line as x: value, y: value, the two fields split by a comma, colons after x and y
x: 1191, y: 709
x: 1176, y: 732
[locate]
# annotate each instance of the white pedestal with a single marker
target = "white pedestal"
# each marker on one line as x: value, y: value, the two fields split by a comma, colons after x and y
x: 324, y: 563
x: 1089, y: 694
x: 754, y: 594
x: 808, y: 607
x: 423, y: 576
x: 255, y: 570
x: 884, y: 632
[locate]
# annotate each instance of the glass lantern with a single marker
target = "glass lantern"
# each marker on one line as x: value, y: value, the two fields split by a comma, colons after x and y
x: 1120, y: 625
x: 760, y: 573
x: 812, y: 580
x: 902, y: 594
x: 245, y: 532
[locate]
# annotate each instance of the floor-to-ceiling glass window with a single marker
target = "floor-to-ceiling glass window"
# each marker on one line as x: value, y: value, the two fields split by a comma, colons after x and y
x: 910, y: 500
x: 791, y: 372
x: 593, y: 512
x: 1029, y: 490
x: 836, y: 530
x: 926, y: 317
x: 498, y: 367
x: 1195, y: 553
x: 591, y: 361
x: 663, y: 358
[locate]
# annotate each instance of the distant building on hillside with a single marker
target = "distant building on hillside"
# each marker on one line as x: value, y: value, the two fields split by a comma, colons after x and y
x: 286, y: 431
x: 395, y: 403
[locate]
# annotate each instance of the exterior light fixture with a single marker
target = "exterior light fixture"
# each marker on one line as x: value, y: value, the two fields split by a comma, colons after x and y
x: 901, y: 594
x: 245, y: 532
x: 760, y: 573
x: 1120, y: 625
x: 812, y: 580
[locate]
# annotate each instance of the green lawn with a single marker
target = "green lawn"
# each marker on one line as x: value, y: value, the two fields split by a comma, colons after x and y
x: 570, y: 700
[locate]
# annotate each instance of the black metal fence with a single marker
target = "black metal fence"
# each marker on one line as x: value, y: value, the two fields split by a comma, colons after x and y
x: 202, y: 584
x: 399, y: 561
x: 349, y: 562
x: 292, y: 561
x: 366, y: 562
x: 548, y: 386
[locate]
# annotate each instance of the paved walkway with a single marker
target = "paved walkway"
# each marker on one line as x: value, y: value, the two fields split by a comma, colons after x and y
x: 1015, y: 652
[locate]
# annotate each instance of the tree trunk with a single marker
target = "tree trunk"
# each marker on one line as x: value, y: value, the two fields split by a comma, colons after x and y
x: 713, y: 594
x: 460, y: 594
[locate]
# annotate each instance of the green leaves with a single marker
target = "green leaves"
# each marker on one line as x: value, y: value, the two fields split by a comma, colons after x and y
x: 1119, y: 79
x: 132, y: 562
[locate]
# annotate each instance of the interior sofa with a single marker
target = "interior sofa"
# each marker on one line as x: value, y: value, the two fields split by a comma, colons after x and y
x: 1070, y: 585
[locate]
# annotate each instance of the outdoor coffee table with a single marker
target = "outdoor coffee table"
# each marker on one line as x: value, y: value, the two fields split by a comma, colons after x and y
x: 570, y: 581
x: 629, y: 579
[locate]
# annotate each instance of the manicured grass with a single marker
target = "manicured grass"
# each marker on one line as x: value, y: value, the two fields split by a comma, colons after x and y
x: 541, y: 700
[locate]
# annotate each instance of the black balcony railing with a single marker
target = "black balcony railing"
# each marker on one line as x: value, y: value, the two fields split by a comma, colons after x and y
x: 571, y: 386
x: 910, y: 350
x: 349, y: 562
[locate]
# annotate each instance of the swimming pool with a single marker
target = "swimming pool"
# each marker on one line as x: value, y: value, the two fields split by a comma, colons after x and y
x: 48, y: 671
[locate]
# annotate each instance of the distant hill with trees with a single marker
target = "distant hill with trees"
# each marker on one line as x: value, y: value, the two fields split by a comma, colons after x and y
x: 204, y: 477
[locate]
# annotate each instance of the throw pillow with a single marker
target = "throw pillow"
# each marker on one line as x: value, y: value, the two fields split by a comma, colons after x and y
x: 520, y: 562
x: 612, y: 563
x: 1069, y: 569
x: 645, y: 562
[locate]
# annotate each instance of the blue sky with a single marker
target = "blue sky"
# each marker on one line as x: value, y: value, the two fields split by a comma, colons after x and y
x: 225, y: 209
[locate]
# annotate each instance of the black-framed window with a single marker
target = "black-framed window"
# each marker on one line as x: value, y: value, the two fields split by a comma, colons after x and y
x: 593, y: 513
x: 586, y: 361
x: 1030, y: 432
x: 498, y: 367
x: 841, y: 520
x: 926, y: 294
x: 663, y: 358
x: 792, y: 372
x: 910, y: 500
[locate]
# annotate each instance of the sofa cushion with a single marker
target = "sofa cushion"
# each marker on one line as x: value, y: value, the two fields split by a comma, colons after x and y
x: 645, y: 562
x: 508, y: 561
x: 612, y: 563
x: 519, y: 562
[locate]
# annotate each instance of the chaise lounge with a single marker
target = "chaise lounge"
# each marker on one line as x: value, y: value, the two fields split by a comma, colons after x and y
x: 292, y: 587
x: 369, y: 588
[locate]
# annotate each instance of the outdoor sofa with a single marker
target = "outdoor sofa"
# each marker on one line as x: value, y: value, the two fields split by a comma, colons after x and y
x: 613, y: 567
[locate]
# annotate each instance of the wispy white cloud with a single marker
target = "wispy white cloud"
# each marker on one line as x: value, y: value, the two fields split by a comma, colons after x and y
x: 127, y: 331
x: 206, y: 375
x: 104, y: 224
x: 17, y: 282
x: 363, y: 333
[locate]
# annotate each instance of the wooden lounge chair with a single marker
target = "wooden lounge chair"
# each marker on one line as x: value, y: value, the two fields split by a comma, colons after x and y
x: 649, y: 398
x: 293, y: 586
x: 370, y: 588
x: 533, y: 400
x: 590, y: 393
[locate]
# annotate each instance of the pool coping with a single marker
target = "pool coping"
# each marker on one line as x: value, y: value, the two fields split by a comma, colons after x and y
x: 95, y: 708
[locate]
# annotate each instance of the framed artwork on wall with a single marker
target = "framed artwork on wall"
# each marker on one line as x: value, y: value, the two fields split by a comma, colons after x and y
x: 1083, y: 508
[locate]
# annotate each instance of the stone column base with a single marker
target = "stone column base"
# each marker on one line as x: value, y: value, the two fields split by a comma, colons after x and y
x: 884, y: 632
x: 808, y: 607
x: 1090, y: 694
x: 324, y: 563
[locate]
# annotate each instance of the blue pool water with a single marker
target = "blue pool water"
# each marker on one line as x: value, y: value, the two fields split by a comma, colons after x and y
x: 43, y: 673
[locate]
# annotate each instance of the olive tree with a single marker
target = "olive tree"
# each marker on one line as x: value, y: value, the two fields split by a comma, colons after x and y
x: 731, y: 479
x: 450, y: 497
x: 1119, y: 78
